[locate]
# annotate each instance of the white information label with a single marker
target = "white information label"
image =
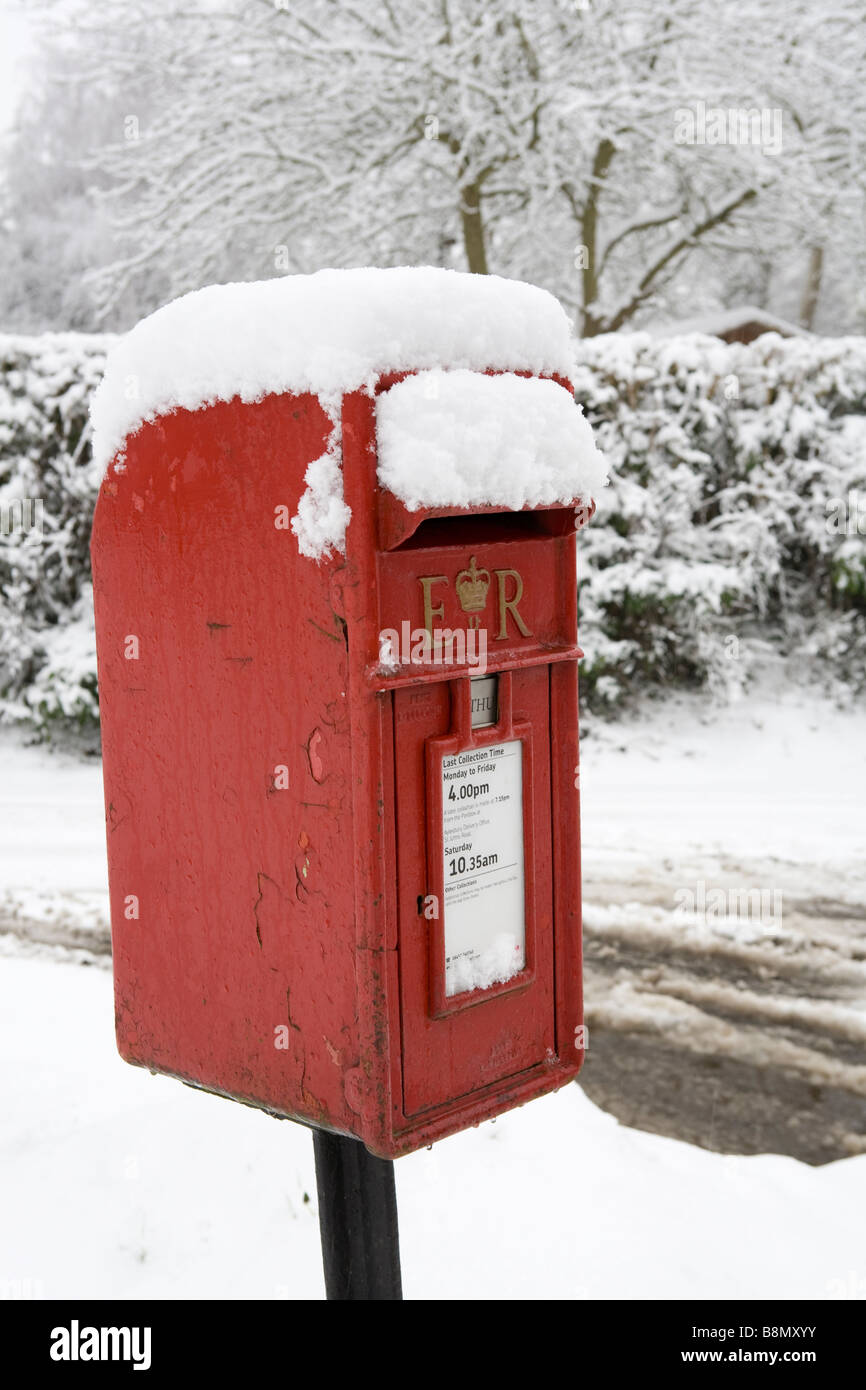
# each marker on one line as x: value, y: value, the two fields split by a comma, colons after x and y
x: 485, y: 902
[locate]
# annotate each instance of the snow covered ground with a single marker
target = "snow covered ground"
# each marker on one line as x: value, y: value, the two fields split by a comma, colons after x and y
x: 116, y: 1183
x: 119, y: 1184
x: 776, y: 778
x: 53, y: 872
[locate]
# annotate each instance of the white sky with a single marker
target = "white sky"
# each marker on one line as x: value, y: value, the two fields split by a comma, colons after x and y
x: 16, y: 47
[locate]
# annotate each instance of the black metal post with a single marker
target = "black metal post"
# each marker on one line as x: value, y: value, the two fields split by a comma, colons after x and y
x: 357, y: 1220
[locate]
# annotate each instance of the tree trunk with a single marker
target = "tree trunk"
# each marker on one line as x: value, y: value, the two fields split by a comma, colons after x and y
x: 473, y: 228
x: 812, y: 287
x: 589, y: 230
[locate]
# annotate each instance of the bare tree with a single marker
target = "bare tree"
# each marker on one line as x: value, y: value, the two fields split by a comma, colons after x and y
x: 547, y: 139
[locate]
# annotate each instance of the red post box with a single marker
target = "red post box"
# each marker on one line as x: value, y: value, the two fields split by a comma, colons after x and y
x: 337, y: 644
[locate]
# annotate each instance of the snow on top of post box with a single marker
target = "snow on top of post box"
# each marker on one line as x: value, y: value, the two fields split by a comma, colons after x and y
x: 462, y: 439
x: 327, y: 333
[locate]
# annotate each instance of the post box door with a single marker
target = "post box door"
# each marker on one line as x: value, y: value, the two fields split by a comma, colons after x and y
x: 474, y: 885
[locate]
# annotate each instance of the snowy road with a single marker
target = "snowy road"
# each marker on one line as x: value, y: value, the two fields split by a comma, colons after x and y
x: 725, y: 925
x: 743, y: 1046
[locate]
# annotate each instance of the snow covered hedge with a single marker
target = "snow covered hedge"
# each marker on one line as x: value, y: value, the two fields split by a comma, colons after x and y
x: 736, y: 517
x: 48, y: 487
x: 731, y: 524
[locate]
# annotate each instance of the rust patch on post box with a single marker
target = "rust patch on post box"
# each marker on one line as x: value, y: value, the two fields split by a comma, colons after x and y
x: 317, y: 767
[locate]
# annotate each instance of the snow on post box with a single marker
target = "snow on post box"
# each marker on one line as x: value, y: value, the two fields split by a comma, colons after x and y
x: 335, y: 593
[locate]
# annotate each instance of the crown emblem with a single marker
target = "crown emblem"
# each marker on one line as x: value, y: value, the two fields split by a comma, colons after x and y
x: 472, y: 586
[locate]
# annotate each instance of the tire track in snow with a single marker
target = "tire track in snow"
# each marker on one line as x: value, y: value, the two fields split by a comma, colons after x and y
x: 739, y: 1035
